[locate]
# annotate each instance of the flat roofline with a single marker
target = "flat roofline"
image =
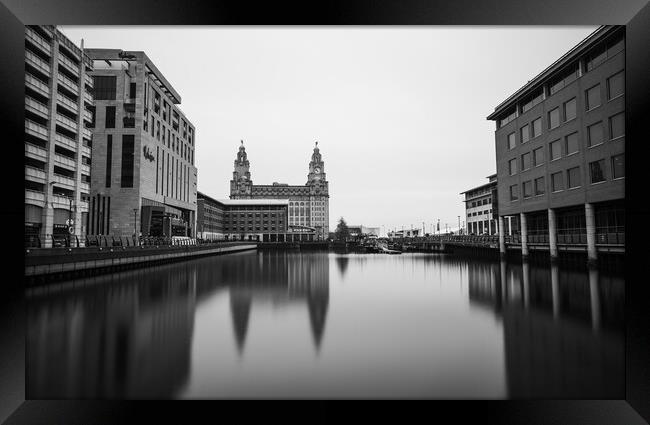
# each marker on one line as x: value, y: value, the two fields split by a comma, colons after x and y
x: 479, y: 187
x: 254, y: 201
x: 585, y: 44
x: 114, y: 54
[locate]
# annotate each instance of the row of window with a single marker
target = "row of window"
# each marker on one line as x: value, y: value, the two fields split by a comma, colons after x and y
x: 479, y: 203
x: 595, y: 136
x: 474, y: 214
x: 615, y: 88
x: 597, y: 174
x: 566, y: 76
x: 174, y: 143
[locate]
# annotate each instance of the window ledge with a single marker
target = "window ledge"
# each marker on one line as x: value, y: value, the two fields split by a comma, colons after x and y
x: 594, y: 108
x: 600, y: 182
x: 570, y: 120
x: 617, y: 138
x: 573, y: 188
x: 593, y: 146
x: 572, y: 153
x: 618, y: 178
x: 616, y: 97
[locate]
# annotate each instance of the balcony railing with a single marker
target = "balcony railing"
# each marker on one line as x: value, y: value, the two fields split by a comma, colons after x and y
x: 88, y: 80
x: 66, y: 122
x: 37, y: 85
x: 87, y: 134
x: 84, y: 187
x: 35, y: 174
x: 66, y: 162
x: 85, y: 150
x: 35, y: 129
x: 67, y: 102
x: 87, y: 97
x: 38, y: 40
x: 64, y: 181
x: 85, y: 169
x: 68, y: 83
x: 61, y: 201
x: 36, y: 107
x: 35, y: 197
x: 37, y: 62
x: 35, y: 152
x: 71, y: 66
x: 66, y: 141
x: 88, y: 116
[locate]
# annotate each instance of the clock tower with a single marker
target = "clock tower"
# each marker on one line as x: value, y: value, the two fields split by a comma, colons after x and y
x: 241, y: 184
x: 316, y: 169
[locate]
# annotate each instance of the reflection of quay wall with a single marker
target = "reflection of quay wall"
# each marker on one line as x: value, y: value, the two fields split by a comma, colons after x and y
x: 562, y: 329
x: 117, y: 341
x: 282, y: 277
x: 550, y: 359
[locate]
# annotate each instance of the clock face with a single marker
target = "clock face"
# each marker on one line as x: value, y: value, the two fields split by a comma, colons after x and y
x: 317, y: 170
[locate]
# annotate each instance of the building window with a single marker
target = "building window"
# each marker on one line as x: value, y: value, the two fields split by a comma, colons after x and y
x: 514, y: 192
x: 109, y: 158
x: 555, y: 149
x: 538, y: 156
x: 571, y: 143
x: 617, y: 126
x: 569, y: 75
x: 595, y: 134
x: 104, y: 87
x: 616, y: 85
x: 557, y: 183
x: 597, y: 171
x: 511, y: 141
x: 537, y: 127
x: 512, y: 167
x: 539, y: 186
x: 554, y: 118
x: 127, y: 160
x: 573, y: 177
x: 570, y: 109
x: 528, y: 189
x: 618, y: 166
x: 592, y: 97
x: 524, y: 133
x: 510, y: 117
x: 132, y: 90
x: 525, y: 161
x: 110, y: 117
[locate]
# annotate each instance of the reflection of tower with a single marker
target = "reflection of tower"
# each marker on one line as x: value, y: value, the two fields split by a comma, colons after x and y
x: 240, y: 308
x: 342, y: 263
x: 318, y: 297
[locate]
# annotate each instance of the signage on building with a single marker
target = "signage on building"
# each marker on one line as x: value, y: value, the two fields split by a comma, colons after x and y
x: 69, y: 222
x: 147, y: 153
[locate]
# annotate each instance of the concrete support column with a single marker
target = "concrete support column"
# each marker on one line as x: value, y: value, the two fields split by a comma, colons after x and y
x: 590, y: 221
x: 552, y: 234
x: 524, y: 235
x: 47, y: 222
x: 502, y: 238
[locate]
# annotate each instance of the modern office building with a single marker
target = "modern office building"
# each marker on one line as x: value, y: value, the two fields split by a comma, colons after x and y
x: 308, y: 204
x: 481, y: 208
x: 143, y: 173
x: 560, y: 148
x: 58, y: 102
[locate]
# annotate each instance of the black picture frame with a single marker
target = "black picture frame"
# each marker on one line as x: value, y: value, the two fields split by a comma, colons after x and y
x: 635, y: 14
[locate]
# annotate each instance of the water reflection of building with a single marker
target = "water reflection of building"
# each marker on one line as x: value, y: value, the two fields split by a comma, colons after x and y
x: 281, y: 277
x: 563, y: 329
x: 113, y: 340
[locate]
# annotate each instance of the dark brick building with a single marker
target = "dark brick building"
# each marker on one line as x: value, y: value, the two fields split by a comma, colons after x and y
x: 560, y: 148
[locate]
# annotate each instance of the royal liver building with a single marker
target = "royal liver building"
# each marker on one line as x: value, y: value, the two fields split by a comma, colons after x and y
x: 308, y: 204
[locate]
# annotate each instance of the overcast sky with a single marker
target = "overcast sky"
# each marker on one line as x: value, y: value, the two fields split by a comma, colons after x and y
x: 399, y: 112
